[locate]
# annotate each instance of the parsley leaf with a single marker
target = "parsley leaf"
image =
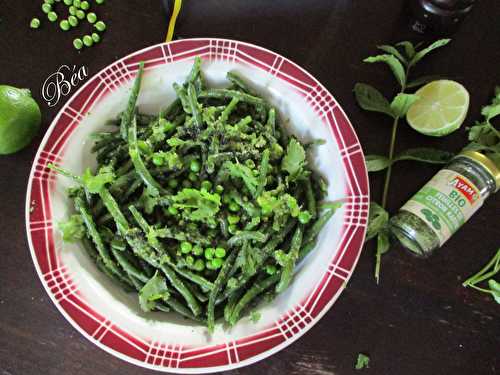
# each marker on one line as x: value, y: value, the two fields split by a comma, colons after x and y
x: 241, y: 171
x: 362, y: 361
x: 94, y: 184
x: 154, y: 290
x: 197, y: 205
x: 73, y: 229
x: 295, y: 158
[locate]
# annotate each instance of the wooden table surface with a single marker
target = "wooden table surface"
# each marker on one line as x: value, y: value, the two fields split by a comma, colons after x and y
x: 419, y: 320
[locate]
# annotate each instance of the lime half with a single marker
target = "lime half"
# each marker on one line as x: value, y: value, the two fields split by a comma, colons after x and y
x: 441, y: 109
x: 20, y: 119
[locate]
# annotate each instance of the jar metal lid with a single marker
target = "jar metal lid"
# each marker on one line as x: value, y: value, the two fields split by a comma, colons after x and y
x: 486, y: 163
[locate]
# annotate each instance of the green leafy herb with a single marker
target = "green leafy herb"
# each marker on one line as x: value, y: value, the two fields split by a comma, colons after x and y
x: 94, y: 184
x: 486, y: 275
x: 154, y: 290
x: 255, y: 316
x: 72, y: 230
x: 362, y: 361
x: 400, y: 58
x: 295, y: 158
x: 197, y: 205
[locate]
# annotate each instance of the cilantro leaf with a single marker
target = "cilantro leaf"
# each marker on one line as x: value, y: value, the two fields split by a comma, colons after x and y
x: 295, y: 158
x: 73, y: 229
x: 94, y: 184
x: 362, y: 361
x: 154, y: 290
x: 255, y: 316
x: 197, y: 205
x: 241, y: 171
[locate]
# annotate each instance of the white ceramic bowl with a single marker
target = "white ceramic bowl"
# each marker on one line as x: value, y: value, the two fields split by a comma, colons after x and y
x: 112, y: 319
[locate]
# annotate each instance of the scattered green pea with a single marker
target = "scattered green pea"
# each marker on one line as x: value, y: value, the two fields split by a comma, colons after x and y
x: 233, y: 219
x: 96, y: 38
x: 68, y: 2
x: 233, y: 206
x: 72, y: 10
x: 99, y: 2
x: 199, y: 265
x: 35, y: 23
x: 219, y: 189
x: 73, y: 21
x: 304, y: 217
x: 192, y: 177
x: 209, y: 265
x: 80, y: 14
x: 271, y: 269
x: 173, y: 183
x: 157, y: 159
x: 207, y: 185
x: 209, y: 253
x: 189, y: 260
x: 77, y: 3
x: 92, y: 17
x: 186, y: 247
x: 46, y: 8
x: 52, y: 16
x: 195, y: 165
x: 217, y: 263
x: 172, y: 210
x: 85, y: 5
x: 220, y: 252
x: 197, y: 250
x: 77, y: 43
x: 87, y: 40
x: 232, y: 229
x: 250, y: 163
x: 100, y: 26
x: 64, y: 25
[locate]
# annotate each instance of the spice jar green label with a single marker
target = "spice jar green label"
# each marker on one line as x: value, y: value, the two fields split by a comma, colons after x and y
x: 446, y: 202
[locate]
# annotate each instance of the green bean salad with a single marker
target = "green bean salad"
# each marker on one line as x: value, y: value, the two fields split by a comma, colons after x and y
x: 204, y: 209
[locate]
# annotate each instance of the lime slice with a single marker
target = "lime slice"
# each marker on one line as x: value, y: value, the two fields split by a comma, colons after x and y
x: 441, y: 109
x: 20, y: 119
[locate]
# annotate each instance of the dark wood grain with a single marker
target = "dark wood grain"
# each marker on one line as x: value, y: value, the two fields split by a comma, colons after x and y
x: 419, y: 320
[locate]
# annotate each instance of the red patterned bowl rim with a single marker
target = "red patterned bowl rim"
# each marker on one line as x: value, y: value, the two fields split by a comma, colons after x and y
x: 176, y: 358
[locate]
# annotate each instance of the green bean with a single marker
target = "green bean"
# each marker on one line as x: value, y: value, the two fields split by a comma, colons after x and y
x: 237, y: 81
x: 193, y: 104
x: 271, y: 121
x: 129, y: 267
x: 128, y: 114
x: 195, y: 70
x: 126, y: 285
x: 153, y: 187
x: 293, y: 255
x: 247, y: 236
x: 219, y: 281
x: 258, y: 287
x: 113, y: 208
x: 264, y: 167
x: 230, y: 94
x: 183, y: 97
x: 311, y: 199
x: 228, y: 109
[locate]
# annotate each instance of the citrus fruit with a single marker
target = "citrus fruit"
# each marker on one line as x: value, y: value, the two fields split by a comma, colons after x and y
x: 440, y: 109
x: 20, y: 119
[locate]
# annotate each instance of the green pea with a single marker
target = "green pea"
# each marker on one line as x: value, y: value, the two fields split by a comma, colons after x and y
x: 172, y: 210
x: 232, y: 229
x: 46, y: 8
x: 207, y: 185
x: 173, y: 183
x: 52, y: 16
x: 186, y: 183
x: 250, y: 163
x: 233, y: 219
x: 233, y: 206
x: 195, y: 165
x: 305, y: 217
x: 96, y: 38
x: 85, y: 5
x: 73, y: 21
x: 209, y: 265
x: 189, y: 260
x: 64, y: 25
x: 72, y: 10
x: 35, y: 23
x: 80, y: 14
x: 77, y: 3
x: 92, y: 17
x: 197, y: 250
x: 49, y: 1
x: 199, y: 265
x: 193, y: 177
x: 220, y: 252
x: 186, y: 247
x: 88, y: 41
x: 158, y: 160
x: 99, y: 25
x: 68, y: 2
x: 271, y: 269
x: 217, y: 263
x: 77, y: 43
x: 99, y: 2
x: 226, y: 198
x: 219, y: 189
x: 209, y: 253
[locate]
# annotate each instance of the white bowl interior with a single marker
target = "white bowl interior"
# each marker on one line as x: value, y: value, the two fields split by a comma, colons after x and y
x: 156, y: 93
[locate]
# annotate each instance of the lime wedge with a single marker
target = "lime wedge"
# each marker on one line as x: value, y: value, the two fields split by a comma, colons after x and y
x: 441, y: 109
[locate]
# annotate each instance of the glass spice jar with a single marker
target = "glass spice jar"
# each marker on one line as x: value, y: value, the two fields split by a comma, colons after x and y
x: 445, y: 203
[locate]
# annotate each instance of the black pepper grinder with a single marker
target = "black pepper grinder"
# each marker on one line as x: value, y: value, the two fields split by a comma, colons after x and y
x: 438, y: 16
